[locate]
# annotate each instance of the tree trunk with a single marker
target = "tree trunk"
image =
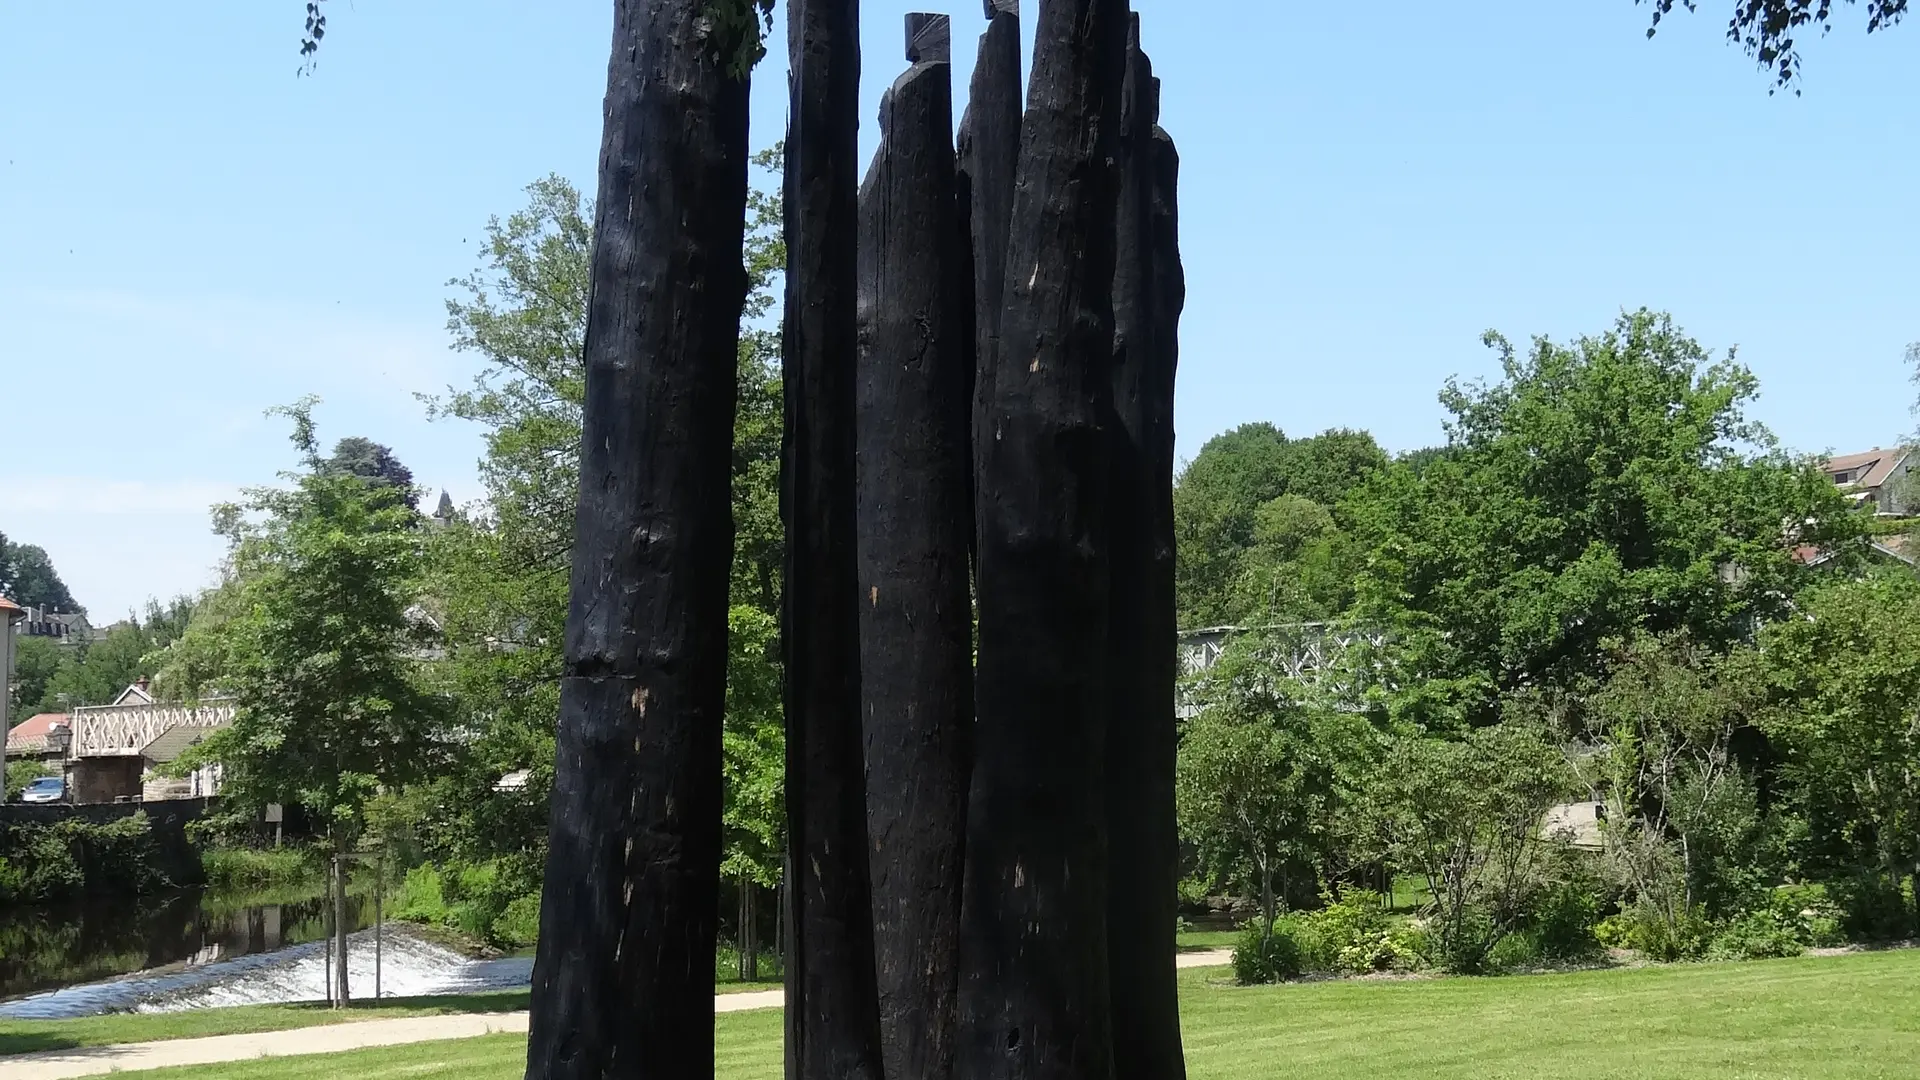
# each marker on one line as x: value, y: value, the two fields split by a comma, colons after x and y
x: 1913, y: 882
x: 342, y: 991
x: 752, y: 906
x: 1268, y: 908
x: 916, y: 521
x: 1142, y: 631
x: 832, y: 1017
x: 623, y: 979
x: 989, y: 153
x: 741, y: 937
x: 1033, y: 991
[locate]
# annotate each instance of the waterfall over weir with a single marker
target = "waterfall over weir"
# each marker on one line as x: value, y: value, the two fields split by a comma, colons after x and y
x: 411, y: 966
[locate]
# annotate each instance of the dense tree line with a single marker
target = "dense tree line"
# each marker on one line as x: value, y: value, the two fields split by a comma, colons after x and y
x: 1608, y: 586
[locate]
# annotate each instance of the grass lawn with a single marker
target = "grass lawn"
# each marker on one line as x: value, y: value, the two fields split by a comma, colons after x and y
x: 27, y: 1036
x: 1202, y: 940
x: 1807, y: 1019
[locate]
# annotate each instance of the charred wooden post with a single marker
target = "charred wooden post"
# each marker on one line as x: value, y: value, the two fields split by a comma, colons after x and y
x: 832, y: 1016
x: 916, y: 662
x: 1033, y: 990
x: 1141, y: 661
x: 989, y: 151
x: 623, y: 980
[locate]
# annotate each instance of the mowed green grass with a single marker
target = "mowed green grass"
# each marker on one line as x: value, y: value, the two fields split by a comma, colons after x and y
x: 1203, y: 940
x: 1806, y: 1019
x: 30, y: 1036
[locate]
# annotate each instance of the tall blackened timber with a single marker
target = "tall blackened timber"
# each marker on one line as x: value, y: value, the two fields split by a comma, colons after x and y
x: 989, y: 152
x: 916, y: 662
x: 623, y: 980
x: 832, y: 1016
x: 1033, y: 991
x: 1141, y: 660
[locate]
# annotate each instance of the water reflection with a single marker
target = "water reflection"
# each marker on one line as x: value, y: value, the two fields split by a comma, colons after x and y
x: 47, y: 947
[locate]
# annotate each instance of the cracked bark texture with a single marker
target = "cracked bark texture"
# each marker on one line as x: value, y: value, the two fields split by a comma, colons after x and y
x: 916, y: 523
x: 623, y: 979
x: 1033, y: 990
x: 989, y: 152
x: 1142, y: 629
x: 832, y: 1015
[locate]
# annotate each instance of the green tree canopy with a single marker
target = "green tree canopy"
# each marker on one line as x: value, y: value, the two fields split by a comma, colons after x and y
x: 1847, y: 678
x: 53, y: 677
x: 1603, y: 488
x: 1266, y: 771
x: 319, y: 649
x: 372, y: 462
x: 35, y: 661
x: 27, y: 578
x: 1256, y: 529
x: 498, y: 577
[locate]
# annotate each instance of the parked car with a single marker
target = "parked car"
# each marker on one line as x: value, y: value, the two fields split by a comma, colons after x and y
x: 45, y: 789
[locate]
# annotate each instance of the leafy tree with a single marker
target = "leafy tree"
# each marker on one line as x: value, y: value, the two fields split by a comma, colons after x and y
x: 372, y: 462
x: 754, y: 760
x: 1684, y: 829
x: 1847, y: 714
x: 320, y: 651
x: 497, y: 578
x: 35, y: 661
x: 1767, y: 29
x: 1466, y: 815
x: 1251, y: 546
x: 27, y: 578
x: 1266, y: 770
x: 98, y: 671
x: 1603, y: 488
x: 20, y: 774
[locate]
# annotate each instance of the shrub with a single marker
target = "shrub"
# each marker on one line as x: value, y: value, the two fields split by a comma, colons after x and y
x: 1757, y: 935
x: 1351, y: 936
x: 519, y: 925
x: 1514, y: 952
x: 247, y: 869
x: 73, y: 856
x: 1354, y: 936
x: 1820, y: 921
x: 1268, y: 955
x: 423, y: 897
x: 488, y: 902
x: 1193, y: 895
x: 1646, y: 931
x: 1469, y: 940
x: 1563, y: 922
x: 1871, y: 908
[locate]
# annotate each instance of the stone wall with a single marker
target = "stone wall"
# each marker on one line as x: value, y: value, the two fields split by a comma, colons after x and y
x: 104, y: 779
x: 176, y: 855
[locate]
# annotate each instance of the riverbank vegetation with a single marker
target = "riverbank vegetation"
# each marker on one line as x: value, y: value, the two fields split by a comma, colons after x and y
x: 48, y: 862
x: 257, y: 870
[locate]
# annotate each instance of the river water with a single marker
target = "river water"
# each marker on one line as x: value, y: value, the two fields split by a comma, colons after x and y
x: 195, y: 950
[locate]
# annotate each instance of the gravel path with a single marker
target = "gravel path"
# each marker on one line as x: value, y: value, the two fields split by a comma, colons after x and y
x: 335, y: 1038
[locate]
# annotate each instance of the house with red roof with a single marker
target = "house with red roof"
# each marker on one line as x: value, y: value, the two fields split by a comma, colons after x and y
x: 31, y: 738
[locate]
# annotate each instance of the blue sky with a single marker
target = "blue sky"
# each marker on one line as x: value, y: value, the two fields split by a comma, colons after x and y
x: 189, y: 233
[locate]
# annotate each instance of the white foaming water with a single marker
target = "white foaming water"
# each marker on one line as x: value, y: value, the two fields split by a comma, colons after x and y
x: 410, y: 967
